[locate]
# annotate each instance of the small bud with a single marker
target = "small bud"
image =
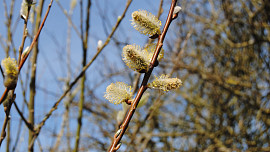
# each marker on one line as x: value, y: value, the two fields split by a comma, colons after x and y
x: 146, y: 23
x: 118, y: 146
x: 177, y: 9
x: 165, y: 83
x: 8, y: 100
x: 24, y: 9
x: 117, y: 133
x: 25, y: 52
x: 99, y: 44
x: 118, y: 18
x: 11, y: 72
x: 136, y: 58
x: 118, y: 92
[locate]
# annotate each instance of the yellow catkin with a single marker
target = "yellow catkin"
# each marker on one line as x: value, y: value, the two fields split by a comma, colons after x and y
x: 135, y: 58
x: 11, y: 72
x: 139, y: 59
x: 165, y: 83
x: 118, y: 92
x: 145, y: 22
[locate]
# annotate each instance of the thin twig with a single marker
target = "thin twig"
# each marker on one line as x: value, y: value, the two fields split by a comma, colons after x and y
x: 19, y: 129
x: 7, y: 111
x: 24, y: 33
x: 3, y: 132
x: 119, y: 134
x: 19, y: 68
x: 69, y: 18
x: 54, y: 107
x: 36, y: 37
x: 84, y: 49
x: 30, y: 126
x: 30, y: 48
x: 65, y: 117
x: 148, y: 116
x: 31, y: 103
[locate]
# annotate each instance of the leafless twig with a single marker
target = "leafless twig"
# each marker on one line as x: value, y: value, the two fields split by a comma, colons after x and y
x: 119, y: 134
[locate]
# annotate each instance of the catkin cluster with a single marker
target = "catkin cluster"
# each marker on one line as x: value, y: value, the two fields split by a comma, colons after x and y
x: 139, y: 59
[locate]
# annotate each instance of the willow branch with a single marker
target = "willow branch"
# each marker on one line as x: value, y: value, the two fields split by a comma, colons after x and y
x: 82, y: 96
x: 3, y: 132
x: 54, y: 107
x: 119, y: 134
x: 30, y: 47
x: 24, y: 33
x: 30, y: 126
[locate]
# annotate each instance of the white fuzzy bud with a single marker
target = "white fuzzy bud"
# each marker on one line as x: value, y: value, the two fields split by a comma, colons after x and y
x: 25, y: 51
x: 24, y: 9
x: 177, y: 9
x: 118, y: 18
x: 99, y: 44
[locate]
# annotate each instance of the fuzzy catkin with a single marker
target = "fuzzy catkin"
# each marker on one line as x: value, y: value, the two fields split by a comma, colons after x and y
x: 146, y: 23
x: 135, y: 58
x: 11, y: 72
x: 165, y: 83
x: 118, y: 92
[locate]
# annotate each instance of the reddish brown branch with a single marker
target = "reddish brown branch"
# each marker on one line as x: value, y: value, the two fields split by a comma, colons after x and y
x: 119, y: 134
x: 36, y: 37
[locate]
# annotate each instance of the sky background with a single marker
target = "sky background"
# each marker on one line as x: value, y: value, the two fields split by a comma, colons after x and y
x: 52, y: 57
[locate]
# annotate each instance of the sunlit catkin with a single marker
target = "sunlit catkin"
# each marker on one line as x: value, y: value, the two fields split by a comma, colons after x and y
x: 165, y: 83
x: 146, y: 23
x: 10, y: 72
x: 136, y: 58
x: 118, y: 92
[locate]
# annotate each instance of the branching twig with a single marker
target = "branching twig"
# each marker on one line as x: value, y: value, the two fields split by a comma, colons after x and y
x: 3, y: 132
x: 30, y: 127
x: 36, y: 37
x: 24, y: 33
x: 30, y: 47
x: 31, y: 103
x: 69, y: 19
x: 84, y: 49
x: 7, y: 116
x: 21, y: 63
x: 119, y: 134
x: 41, y: 124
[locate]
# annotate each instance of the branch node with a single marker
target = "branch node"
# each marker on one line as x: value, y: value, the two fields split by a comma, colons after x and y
x: 118, y: 146
x: 117, y: 133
